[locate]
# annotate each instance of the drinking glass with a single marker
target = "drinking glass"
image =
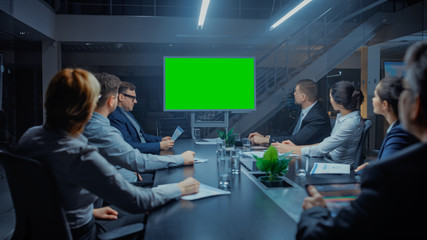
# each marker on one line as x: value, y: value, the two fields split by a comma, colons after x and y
x: 224, y: 172
x: 196, y: 134
x: 235, y: 162
x: 220, y: 147
x: 246, y: 144
x: 301, y: 165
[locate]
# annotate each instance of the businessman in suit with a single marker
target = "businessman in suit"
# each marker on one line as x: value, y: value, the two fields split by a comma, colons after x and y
x: 126, y: 123
x: 313, y: 124
x: 392, y: 198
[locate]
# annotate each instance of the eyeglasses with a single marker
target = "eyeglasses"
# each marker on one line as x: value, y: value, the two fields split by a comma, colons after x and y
x: 130, y: 96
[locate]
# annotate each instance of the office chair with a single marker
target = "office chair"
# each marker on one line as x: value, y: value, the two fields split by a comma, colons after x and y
x: 38, y: 206
x: 360, y: 155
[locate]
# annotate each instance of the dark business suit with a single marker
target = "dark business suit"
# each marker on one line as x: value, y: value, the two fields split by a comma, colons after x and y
x: 119, y: 120
x: 315, y: 127
x: 395, y: 140
x: 391, y: 205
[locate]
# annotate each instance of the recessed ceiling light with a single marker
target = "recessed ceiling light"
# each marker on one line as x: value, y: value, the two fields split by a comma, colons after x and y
x: 203, y: 11
x: 290, y: 13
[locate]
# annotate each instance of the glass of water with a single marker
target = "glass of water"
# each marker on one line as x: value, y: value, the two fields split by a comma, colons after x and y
x: 301, y: 165
x: 220, y: 147
x: 224, y: 172
x: 196, y: 134
x: 235, y: 162
x: 246, y: 144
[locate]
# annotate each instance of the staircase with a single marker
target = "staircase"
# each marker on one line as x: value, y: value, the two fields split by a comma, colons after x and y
x: 309, y: 53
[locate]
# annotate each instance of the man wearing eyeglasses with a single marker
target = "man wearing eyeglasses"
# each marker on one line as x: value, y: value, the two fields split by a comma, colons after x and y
x: 131, y: 130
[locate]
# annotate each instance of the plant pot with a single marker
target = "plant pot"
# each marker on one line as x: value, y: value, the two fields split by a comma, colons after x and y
x: 277, y: 181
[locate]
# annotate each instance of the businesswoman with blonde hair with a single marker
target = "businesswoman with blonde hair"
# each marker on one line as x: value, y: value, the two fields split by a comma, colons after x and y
x: 82, y: 174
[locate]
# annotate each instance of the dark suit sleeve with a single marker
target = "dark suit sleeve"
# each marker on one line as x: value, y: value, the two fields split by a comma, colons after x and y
x: 307, y: 132
x: 397, y: 141
x: 353, y: 222
x: 315, y: 127
x: 123, y: 126
x: 151, y: 138
x: 282, y: 136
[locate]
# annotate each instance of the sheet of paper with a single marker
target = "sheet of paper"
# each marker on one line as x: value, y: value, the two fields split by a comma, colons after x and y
x: 177, y: 133
x: 200, y: 160
x: 205, y: 191
x: 213, y: 140
x: 261, y: 154
x: 205, y: 143
x: 330, y: 168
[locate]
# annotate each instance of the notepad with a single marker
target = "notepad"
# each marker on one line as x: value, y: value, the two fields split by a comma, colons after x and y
x: 205, y: 191
x: 330, y: 168
x: 177, y: 133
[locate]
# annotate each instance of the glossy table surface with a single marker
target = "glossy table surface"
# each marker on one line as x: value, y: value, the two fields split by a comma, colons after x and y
x: 251, y: 211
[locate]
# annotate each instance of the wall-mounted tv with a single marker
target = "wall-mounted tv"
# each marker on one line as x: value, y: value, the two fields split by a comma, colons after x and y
x: 209, y: 84
x: 396, y: 69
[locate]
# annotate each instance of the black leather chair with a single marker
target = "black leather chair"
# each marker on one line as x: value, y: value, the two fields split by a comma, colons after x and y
x: 360, y: 155
x: 37, y: 202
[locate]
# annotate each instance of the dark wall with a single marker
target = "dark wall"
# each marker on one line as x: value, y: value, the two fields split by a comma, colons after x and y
x: 22, y: 90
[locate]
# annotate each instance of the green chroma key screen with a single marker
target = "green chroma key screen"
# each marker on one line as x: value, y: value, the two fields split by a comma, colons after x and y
x: 199, y: 83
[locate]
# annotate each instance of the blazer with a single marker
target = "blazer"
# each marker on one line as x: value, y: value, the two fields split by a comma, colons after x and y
x: 395, y: 140
x: 391, y: 203
x: 119, y: 120
x: 315, y: 127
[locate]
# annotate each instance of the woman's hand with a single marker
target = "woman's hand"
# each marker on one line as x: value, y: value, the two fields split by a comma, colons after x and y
x: 287, y: 146
x: 105, y: 213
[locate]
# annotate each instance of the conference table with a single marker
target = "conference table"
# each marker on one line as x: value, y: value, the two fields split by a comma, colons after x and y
x: 251, y: 211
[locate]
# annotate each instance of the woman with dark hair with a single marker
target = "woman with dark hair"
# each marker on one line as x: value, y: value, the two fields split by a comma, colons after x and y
x: 341, y: 146
x: 384, y: 102
x: 82, y: 174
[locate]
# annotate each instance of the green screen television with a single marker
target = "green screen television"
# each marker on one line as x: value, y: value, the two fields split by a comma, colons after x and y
x: 209, y: 84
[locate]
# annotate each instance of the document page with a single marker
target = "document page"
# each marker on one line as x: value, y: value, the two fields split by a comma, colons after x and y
x: 330, y: 168
x: 207, y: 141
x: 205, y: 191
x: 260, y: 154
x: 177, y: 133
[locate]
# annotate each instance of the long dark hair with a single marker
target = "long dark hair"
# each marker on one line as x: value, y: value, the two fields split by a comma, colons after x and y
x: 389, y: 90
x: 346, y: 94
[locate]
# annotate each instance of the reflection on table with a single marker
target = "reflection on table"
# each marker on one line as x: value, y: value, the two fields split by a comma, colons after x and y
x: 251, y: 211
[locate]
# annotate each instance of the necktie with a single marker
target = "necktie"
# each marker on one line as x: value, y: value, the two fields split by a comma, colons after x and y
x: 298, y: 126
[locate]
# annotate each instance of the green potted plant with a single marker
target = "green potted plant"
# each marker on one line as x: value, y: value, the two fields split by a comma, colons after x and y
x: 273, y: 165
x: 230, y: 137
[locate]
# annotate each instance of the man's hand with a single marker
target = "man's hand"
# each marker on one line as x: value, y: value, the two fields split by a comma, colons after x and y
x: 314, y: 200
x: 361, y: 167
x: 251, y: 135
x: 260, y: 139
x: 167, y: 138
x: 105, y: 213
x: 189, y: 186
x: 188, y: 157
x: 165, y: 145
